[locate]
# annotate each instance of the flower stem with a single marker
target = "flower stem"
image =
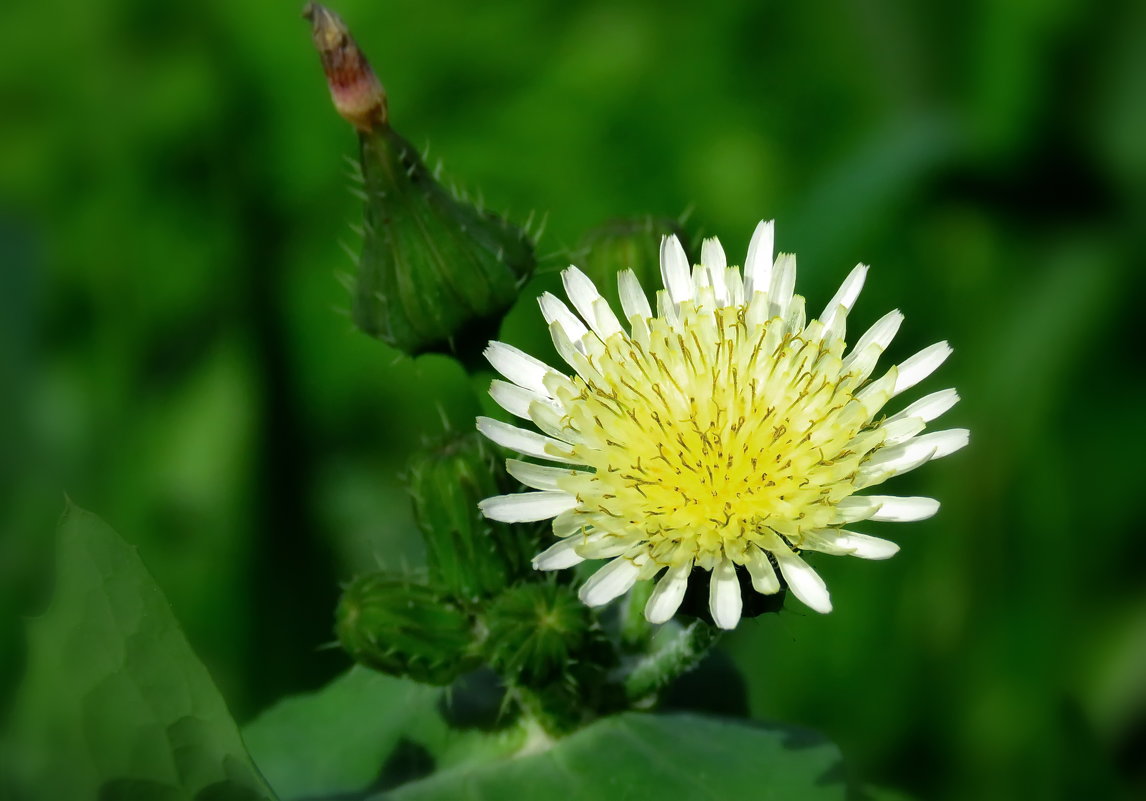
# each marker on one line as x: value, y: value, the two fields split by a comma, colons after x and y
x: 680, y: 652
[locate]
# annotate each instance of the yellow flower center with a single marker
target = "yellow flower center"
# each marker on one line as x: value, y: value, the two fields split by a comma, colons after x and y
x: 707, y: 433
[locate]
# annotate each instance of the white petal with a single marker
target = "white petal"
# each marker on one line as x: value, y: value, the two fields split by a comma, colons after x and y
x: 845, y: 297
x: 583, y: 294
x: 865, y: 547
x: 870, y: 475
x: 929, y: 407
x: 633, y: 299
x: 518, y: 366
x: 764, y: 579
x: 529, y: 443
x: 804, y: 582
x: 921, y: 365
x: 570, y: 523
x: 823, y: 540
x: 782, y: 286
x: 712, y: 256
x: 675, y: 271
x: 758, y: 263
x: 855, y: 508
x: 896, y: 509
x: 848, y: 543
x: 715, y: 263
x: 878, y: 392
x: 514, y: 399
x: 574, y: 354
x: 604, y: 545
x: 526, y: 507
x: 611, y: 581
x: 724, y: 600
x: 668, y: 594
x: 880, y: 334
x: 550, y: 419
x: 554, y: 311
x: 900, y: 430
x: 794, y: 319
x: 934, y: 445
x: 559, y: 556
x: 538, y: 476
x: 734, y: 282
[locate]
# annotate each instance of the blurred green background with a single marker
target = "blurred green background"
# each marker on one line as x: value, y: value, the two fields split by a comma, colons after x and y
x: 176, y: 352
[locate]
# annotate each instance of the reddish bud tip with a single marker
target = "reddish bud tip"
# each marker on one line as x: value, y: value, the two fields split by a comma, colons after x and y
x: 355, y: 89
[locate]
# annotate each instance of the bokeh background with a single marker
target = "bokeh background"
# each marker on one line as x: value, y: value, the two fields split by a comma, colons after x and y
x: 177, y: 354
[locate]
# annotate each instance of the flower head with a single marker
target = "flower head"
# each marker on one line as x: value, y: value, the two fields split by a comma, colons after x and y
x: 724, y: 432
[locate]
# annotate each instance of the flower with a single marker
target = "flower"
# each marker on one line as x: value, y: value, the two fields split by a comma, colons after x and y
x: 722, y: 432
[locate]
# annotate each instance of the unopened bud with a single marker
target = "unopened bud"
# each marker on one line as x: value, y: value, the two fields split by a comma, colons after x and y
x: 536, y: 631
x: 405, y: 629
x: 467, y: 555
x: 435, y: 273
x: 629, y: 244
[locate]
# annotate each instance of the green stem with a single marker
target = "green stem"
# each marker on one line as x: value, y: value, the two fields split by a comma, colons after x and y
x: 681, y: 652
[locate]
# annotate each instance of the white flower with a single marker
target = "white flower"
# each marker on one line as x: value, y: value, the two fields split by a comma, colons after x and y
x: 722, y: 431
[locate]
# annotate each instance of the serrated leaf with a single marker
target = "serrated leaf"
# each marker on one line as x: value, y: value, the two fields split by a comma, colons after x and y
x: 115, y: 705
x: 634, y: 756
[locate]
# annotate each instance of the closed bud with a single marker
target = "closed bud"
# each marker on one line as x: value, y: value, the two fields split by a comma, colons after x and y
x: 628, y: 244
x: 405, y: 629
x: 468, y: 556
x: 435, y: 272
x: 537, y: 632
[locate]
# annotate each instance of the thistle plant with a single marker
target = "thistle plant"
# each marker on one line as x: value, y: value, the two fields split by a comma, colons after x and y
x: 646, y: 520
x: 708, y: 439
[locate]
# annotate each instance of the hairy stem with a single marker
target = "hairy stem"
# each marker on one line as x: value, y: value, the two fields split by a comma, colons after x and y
x: 680, y: 652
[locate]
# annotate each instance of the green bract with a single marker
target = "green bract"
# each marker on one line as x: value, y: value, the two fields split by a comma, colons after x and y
x: 535, y: 630
x: 468, y: 556
x: 405, y: 629
x: 435, y: 273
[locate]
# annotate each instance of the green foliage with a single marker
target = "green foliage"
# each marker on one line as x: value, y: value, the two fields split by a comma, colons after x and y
x: 366, y: 730
x: 369, y: 731
x: 336, y: 740
x: 654, y: 756
x: 114, y: 702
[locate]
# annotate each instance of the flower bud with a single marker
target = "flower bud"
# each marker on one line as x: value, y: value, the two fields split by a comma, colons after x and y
x: 435, y: 273
x: 537, y: 630
x: 405, y: 629
x: 468, y: 556
x: 627, y: 244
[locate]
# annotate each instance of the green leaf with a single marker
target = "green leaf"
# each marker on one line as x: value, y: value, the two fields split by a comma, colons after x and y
x: 634, y: 756
x: 337, y: 740
x: 115, y: 705
x: 365, y: 730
